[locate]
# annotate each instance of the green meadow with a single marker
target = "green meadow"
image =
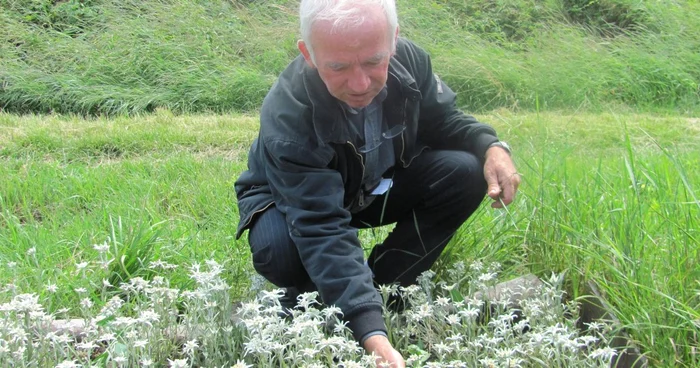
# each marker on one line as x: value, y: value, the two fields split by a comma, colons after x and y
x: 606, y: 197
x: 127, y: 122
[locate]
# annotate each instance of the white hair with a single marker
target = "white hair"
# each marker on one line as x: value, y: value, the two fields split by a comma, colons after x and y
x: 343, y: 14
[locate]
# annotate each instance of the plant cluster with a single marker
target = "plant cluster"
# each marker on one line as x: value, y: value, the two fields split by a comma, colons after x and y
x: 71, y: 17
x: 146, y: 322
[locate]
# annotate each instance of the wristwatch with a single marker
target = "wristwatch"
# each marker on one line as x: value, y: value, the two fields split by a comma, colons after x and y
x: 501, y: 144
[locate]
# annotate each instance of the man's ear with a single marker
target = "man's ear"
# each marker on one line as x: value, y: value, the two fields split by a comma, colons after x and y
x: 396, y: 39
x: 305, y: 51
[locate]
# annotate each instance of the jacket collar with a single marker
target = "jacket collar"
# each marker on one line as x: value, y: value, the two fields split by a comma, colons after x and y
x: 328, y: 120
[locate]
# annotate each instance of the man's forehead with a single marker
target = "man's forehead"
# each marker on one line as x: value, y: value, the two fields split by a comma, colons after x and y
x: 379, y: 56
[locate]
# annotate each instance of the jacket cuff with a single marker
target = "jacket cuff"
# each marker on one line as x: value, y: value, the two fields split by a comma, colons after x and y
x: 365, y: 322
x: 482, y: 144
x: 370, y: 334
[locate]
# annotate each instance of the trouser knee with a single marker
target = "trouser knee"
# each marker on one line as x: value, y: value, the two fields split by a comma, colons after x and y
x: 274, y: 254
x: 460, y: 180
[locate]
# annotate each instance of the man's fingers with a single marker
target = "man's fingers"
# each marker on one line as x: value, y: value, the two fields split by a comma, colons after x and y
x: 510, y: 187
x: 508, y: 194
x: 494, y: 191
x: 502, y: 180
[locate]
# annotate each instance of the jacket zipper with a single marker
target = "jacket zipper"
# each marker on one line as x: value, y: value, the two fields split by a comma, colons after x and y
x: 250, y: 218
x: 403, y: 141
x: 361, y: 200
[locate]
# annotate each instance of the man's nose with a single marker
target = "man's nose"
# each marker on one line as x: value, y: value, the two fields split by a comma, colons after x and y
x: 359, y: 81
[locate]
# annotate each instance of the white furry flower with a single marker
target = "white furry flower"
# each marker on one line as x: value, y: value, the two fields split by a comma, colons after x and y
x: 190, y: 347
x: 241, y: 364
x: 178, y: 363
x: 24, y: 303
x: 486, y: 277
x: 605, y: 354
x: 101, y: 248
x: 51, y: 288
x: 86, y: 303
x: 86, y: 345
x: 68, y: 364
x: 148, y: 316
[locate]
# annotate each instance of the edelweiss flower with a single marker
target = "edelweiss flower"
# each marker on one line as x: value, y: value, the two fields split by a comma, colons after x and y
x: 107, y: 337
x: 443, y: 302
x: 68, y: 364
x: 178, y: 363
x: 87, y: 345
x: 148, y: 316
x: 453, y: 319
x: 605, y: 354
x: 26, y: 303
x: 162, y: 265
x: 101, y: 248
x: 190, y: 347
x: 241, y: 364
x: 51, y: 288
x: 424, y: 311
x: 595, y: 326
x: 488, y: 276
x: 442, y: 349
x: 86, y: 303
x: 488, y: 363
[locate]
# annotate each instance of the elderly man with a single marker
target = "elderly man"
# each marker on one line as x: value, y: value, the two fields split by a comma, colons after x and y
x: 359, y: 132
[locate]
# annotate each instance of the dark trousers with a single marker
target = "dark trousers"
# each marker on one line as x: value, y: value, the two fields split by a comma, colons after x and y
x: 429, y: 201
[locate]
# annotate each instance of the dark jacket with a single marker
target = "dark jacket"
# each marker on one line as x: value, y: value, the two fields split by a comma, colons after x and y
x: 304, y: 163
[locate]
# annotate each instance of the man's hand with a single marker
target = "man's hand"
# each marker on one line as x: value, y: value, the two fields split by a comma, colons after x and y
x: 501, y: 177
x: 387, y: 356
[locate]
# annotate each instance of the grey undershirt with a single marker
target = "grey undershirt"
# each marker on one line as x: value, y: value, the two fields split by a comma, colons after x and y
x: 366, y: 127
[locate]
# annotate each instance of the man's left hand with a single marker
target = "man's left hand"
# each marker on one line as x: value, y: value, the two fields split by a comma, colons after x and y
x: 501, y: 177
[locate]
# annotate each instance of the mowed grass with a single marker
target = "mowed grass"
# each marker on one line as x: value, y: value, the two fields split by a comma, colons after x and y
x: 610, y: 198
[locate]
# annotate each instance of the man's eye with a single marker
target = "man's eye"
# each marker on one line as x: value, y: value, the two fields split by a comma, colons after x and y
x: 373, y: 63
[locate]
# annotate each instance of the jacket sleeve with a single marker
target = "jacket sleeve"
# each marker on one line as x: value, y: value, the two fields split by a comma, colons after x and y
x: 311, y: 196
x: 441, y: 124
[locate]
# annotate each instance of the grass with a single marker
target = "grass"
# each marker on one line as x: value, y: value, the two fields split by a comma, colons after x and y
x: 606, y: 197
x: 97, y: 57
x: 598, y: 98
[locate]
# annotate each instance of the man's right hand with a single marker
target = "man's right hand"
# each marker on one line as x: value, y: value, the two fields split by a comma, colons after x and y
x: 387, y: 356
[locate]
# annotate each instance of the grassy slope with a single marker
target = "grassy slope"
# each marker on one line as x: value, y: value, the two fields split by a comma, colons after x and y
x: 107, y: 56
x: 600, y: 200
x: 601, y: 197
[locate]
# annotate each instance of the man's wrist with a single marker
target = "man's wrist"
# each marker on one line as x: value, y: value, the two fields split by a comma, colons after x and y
x: 503, y: 145
x: 375, y: 343
x: 370, y: 334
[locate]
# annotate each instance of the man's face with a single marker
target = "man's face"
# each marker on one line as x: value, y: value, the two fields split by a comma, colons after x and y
x: 352, y: 63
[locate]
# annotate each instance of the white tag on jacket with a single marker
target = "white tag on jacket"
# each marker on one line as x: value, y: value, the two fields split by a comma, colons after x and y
x: 439, y: 83
x: 383, y: 186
